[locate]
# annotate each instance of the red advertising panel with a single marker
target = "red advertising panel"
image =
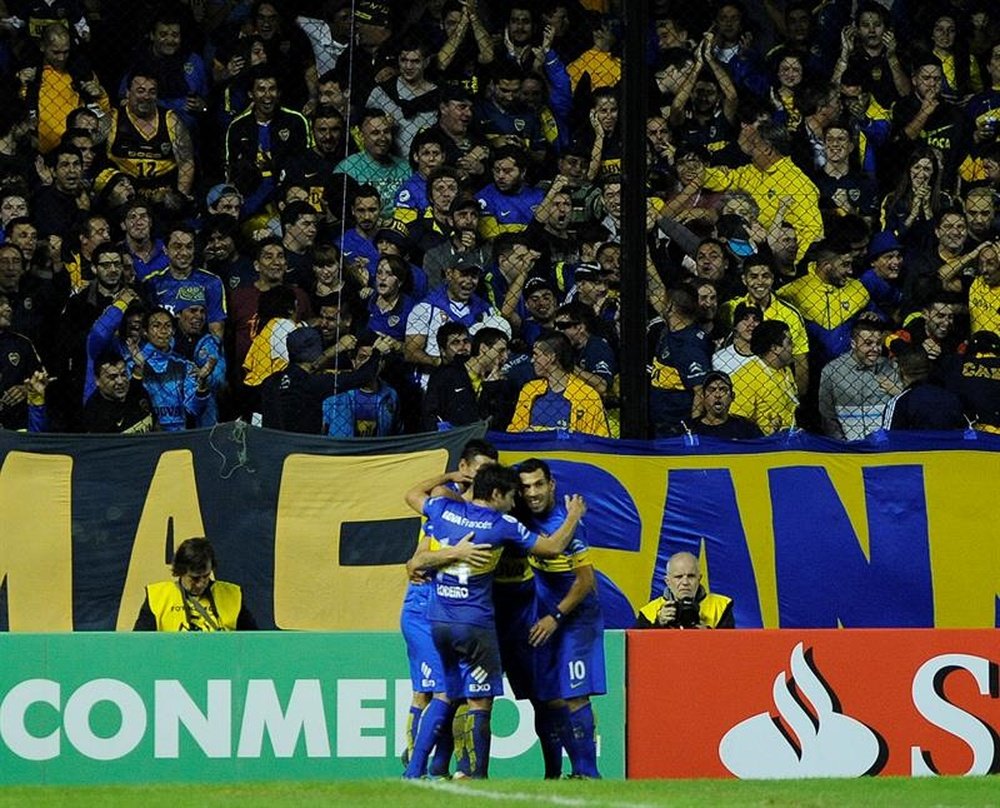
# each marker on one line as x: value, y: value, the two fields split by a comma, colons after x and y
x: 790, y: 704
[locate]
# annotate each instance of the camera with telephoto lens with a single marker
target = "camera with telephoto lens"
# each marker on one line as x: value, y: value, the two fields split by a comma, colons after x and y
x: 687, y: 613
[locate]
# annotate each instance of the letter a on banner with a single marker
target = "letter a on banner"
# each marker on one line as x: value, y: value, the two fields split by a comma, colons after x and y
x: 172, y: 500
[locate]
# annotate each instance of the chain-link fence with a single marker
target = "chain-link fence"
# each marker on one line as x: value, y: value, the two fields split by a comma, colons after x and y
x: 436, y: 189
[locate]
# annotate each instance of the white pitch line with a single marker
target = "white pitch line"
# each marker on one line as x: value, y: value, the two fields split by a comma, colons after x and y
x: 517, y: 796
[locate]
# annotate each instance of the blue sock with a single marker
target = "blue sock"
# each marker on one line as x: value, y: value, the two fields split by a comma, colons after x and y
x: 547, y: 721
x: 583, y: 753
x: 431, y: 722
x: 445, y: 746
x: 481, y: 738
x: 412, y: 725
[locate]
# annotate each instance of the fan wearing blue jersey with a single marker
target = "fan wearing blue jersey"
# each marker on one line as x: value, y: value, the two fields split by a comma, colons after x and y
x: 568, y: 637
x: 426, y: 668
x: 461, y: 606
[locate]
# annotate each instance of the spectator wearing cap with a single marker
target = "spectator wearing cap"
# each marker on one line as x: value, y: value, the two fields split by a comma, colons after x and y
x: 113, y: 190
x: 923, y: 404
x: 882, y: 278
x: 193, y: 342
x: 594, y: 361
x: 299, y: 226
x: 829, y: 300
x: 682, y: 357
x: 466, y: 151
x: 590, y: 287
x: 776, y: 184
x: 716, y: 421
x: 758, y: 279
x: 540, y: 304
x: 558, y: 398
x: 433, y: 227
x: 393, y: 239
x: 375, y: 164
x: 464, y: 244
x: 223, y: 198
x: 181, y: 280
x: 508, y: 204
x: 470, y: 386
x: 975, y: 378
x: 453, y: 301
x: 736, y: 351
x: 855, y: 387
x: 410, y: 98
x: 371, y: 58
x: 764, y: 388
x: 984, y: 293
x: 292, y: 398
x: 426, y: 151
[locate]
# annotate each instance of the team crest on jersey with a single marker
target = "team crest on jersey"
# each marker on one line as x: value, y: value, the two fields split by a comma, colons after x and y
x: 393, y: 320
x: 284, y: 134
x: 854, y: 194
x: 165, y: 149
x: 188, y: 68
x: 14, y: 358
x: 404, y: 196
x: 234, y: 282
x: 28, y: 304
x: 519, y: 124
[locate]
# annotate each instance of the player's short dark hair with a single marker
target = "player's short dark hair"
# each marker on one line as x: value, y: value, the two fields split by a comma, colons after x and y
x: 477, y: 447
x: 193, y: 554
x: 493, y: 478
x: 533, y: 464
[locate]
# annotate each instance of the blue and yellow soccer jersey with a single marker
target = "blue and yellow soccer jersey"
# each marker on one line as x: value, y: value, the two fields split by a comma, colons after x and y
x: 555, y: 576
x: 463, y: 593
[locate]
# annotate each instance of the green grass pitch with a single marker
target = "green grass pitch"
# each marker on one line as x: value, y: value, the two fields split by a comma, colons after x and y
x: 909, y: 792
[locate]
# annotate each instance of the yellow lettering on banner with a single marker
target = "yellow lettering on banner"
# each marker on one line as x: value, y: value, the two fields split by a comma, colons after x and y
x: 964, y: 536
x: 312, y: 591
x: 36, y: 541
x: 172, y: 494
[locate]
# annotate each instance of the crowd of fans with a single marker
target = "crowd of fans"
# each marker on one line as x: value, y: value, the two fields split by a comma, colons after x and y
x: 428, y: 197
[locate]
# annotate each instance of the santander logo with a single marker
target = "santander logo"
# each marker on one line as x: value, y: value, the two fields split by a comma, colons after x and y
x: 816, y: 742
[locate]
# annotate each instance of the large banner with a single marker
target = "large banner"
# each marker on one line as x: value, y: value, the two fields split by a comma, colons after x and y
x: 793, y: 704
x: 801, y: 532
x: 315, y: 530
x: 180, y: 708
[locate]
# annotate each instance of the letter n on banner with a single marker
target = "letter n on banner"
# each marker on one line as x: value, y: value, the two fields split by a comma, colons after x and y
x: 825, y: 579
x: 701, y: 507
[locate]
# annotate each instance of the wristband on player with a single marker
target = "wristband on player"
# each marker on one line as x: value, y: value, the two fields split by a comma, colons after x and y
x: 556, y: 615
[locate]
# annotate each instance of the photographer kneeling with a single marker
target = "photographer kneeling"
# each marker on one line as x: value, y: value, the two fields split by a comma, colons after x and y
x: 684, y: 602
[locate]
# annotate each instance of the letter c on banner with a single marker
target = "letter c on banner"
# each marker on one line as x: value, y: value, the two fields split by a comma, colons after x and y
x: 13, y: 710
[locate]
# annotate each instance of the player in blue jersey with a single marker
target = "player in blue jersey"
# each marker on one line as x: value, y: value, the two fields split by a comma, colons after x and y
x: 569, y: 634
x: 461, y: 606
x: 426, y: 669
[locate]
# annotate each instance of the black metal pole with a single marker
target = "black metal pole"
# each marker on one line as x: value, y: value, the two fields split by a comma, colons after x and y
x: 635, y: 104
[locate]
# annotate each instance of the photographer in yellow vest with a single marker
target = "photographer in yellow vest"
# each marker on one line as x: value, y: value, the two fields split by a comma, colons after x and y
x: 194, y: 600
